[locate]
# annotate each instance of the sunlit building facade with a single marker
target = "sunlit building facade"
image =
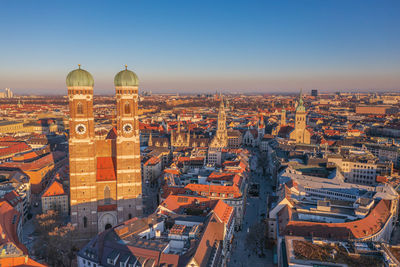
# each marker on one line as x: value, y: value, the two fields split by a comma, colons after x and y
x: 105, y: 175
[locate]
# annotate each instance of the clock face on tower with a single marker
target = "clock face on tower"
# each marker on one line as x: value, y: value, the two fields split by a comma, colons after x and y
x: 80, y: 129
x: 127, y: 128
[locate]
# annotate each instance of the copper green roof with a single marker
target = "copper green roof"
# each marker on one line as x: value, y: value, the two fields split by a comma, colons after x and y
x: 300, y: 106
x: 126, y: 78
x: 79, y: 77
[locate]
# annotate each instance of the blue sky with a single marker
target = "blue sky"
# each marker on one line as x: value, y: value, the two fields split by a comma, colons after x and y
x: 202, y: 46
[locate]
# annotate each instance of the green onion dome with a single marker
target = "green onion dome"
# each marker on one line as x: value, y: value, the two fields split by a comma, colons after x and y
x: 79, y: 77
x: 126, y: 78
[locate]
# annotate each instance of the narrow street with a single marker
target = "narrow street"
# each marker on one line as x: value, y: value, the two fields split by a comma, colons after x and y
x: 395, y: 238
x: 28, y: 237
x: 255, y: 212
x: 150, y: 198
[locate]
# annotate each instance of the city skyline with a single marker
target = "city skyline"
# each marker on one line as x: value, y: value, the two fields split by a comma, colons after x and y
x: 203, y: 47
x: 200, y: 133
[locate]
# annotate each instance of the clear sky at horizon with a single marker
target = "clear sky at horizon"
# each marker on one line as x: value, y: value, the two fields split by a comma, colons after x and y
x: 202, y: 46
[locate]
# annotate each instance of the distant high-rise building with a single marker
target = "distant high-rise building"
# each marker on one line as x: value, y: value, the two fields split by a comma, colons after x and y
x: 105, y: 174
x: 314, y: 92
x: 7, y: 93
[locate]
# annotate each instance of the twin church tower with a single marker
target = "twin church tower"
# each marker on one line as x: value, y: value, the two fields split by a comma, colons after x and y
x: 105, y: 178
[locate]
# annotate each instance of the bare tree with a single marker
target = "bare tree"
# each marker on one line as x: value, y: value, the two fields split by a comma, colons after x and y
x: 256, y: 238
x: 55, y: 241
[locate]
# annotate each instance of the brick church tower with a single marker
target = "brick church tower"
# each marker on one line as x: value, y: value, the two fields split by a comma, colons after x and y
x: 105, y: 179
x: 129, y: 179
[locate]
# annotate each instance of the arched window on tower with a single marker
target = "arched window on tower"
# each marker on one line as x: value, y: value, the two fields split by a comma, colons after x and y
x: 107, y: 197
x: 127, y: 108
x: 79, y: 108
x: 84, y: 222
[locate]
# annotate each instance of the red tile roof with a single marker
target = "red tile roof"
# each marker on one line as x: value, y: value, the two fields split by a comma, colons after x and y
x: 145, y: 254
x: 9, y: 218
x: 221, y: 175
x: 7, y: 138
x: 223, y: 211
x: 225, y: 176
x: 106, y: 169
x: 183, y: 159
x: 381, y: 179
x: 367, y: 226
x: 172, y: 171
x: 152, y: 161
x: 329, y: 142
x: 285, y: 130
x: 11, y: 148
x: 213, y: 234
x: 175, y: 203
x: 36, y: 164
x: 12, y: 198
x: 330, y: 132
x: 218, y: 189
x: 25, y: 156
x: 20, y: 261
x: 237, y: 166
x: 167, y: 190
x: 55, y: 189
x: 170, y: 260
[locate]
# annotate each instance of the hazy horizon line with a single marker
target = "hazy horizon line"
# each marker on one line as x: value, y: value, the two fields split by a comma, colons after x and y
x: 226, y: 92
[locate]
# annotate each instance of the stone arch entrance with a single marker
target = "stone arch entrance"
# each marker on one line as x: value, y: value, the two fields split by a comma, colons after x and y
x: 106, y: 221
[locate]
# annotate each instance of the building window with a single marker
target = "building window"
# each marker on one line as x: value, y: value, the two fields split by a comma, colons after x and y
x: 127, y: 108
x: 79, y: 108
x: 84, y: 222
x: 107, y: 198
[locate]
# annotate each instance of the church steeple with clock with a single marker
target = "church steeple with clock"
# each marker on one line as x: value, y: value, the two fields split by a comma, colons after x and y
x: 80, y: 94
x: 105, y: 178
x: 129, y: 179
